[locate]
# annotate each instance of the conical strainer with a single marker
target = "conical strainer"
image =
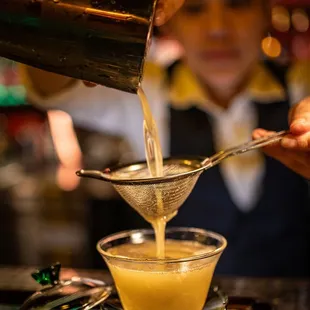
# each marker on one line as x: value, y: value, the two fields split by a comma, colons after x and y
x: 161, y: 197
x: 153, y: 197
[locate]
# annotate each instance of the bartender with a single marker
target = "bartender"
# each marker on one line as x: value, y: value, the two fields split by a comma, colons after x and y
x: 214, y: 97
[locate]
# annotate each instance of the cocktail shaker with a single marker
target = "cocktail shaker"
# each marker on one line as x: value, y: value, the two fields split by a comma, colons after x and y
x: 102, y: 41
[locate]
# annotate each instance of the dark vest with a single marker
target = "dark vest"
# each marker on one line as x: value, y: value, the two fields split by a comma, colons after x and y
x: 271, y: 240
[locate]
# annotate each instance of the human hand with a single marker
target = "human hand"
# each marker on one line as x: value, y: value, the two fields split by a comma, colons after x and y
x: 294, y: 149
x: 166, y: 9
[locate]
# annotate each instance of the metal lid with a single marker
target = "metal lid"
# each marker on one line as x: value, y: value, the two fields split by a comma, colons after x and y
x: 76, y: 293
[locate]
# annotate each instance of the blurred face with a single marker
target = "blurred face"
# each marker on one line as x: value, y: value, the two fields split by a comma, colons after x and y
x: 221, y: 38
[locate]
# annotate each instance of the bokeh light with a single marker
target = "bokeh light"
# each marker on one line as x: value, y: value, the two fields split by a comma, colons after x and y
x: 300, y: 20
x: 281, y: 18
x: 271, y: 47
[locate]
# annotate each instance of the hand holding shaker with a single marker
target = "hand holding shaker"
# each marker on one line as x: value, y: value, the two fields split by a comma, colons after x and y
x: 101, y: 41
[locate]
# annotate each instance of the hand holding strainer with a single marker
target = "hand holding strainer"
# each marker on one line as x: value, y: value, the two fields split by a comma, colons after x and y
x: 141, y: 191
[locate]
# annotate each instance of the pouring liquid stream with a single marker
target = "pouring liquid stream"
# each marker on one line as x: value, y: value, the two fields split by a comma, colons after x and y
x: 154, y: 160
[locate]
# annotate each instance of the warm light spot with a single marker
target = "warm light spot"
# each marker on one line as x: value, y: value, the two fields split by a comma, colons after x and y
x: 300, y: 20
x: 271, y: 47
x: 281, y: 19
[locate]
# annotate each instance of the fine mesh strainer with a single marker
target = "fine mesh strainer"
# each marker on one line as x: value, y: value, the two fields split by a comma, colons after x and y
x: 153, y: 197
x: 162, y: 197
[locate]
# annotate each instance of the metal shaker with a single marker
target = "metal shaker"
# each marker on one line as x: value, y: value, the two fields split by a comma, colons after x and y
x: 102, y: 41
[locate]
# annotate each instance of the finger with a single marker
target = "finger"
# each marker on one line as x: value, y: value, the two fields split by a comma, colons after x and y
x: 261, y: 133
x: 160, y: 14
x: 299, y: 118
x: 89, y: 84
x: 165, y: 10
x: 258, y: 133
x: 299, y: 168
x: 300, y: 157
x: 292, y: 142
x: 303, y: 158
x: 300, y: 142
x: 299, y: 163
x: 275, y: 151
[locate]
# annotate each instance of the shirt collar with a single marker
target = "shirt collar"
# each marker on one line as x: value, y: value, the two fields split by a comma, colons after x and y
x: 185, y: 90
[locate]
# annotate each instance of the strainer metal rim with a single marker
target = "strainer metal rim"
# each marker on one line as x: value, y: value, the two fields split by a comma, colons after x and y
x: 150, y: 180
x: 168, y: 261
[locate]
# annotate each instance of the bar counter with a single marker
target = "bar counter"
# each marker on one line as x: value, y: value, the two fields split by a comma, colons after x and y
x: 16, y: 285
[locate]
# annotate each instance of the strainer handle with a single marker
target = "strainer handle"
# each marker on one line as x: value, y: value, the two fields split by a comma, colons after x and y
x: 93, y: 174
x: 249, y: 146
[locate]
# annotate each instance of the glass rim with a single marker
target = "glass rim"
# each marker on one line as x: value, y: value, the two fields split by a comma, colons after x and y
x: 128, y: 233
